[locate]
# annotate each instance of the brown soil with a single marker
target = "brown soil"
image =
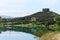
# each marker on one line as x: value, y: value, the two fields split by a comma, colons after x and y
x: 51, y: 36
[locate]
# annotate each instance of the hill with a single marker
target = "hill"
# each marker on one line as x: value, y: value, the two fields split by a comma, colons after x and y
x: 44, y: 16
x: 4, y: 16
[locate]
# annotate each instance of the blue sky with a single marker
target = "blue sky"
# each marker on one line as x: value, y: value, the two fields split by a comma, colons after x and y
x: 20, y: 8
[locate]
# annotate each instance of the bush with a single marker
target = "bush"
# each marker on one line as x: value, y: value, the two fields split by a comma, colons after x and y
x: 58, y: 23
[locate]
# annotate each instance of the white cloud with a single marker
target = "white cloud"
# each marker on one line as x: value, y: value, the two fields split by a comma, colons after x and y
x: 49, y: 2
x: 22, y: 7
x: 43, y: 2
x: 15, y: 13
x: 3, y: 2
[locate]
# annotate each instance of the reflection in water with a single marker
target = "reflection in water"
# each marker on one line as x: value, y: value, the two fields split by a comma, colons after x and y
x: 13, y: 35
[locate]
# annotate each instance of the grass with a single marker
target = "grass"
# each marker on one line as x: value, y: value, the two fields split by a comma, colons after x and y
x: 50, y: 35
x: 26, y: 25
x: 1, y: 25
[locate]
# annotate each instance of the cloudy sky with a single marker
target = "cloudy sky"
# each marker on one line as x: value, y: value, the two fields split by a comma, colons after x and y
x: 19, y: 8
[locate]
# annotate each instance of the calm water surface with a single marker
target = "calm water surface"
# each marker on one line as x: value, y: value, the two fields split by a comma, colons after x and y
x: 13, y: 35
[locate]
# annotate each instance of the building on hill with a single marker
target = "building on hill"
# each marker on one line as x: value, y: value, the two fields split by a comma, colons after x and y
x: 46, y: 10
x: 33, y: 19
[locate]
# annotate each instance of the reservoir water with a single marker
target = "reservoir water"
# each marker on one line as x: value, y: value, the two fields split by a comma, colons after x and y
x: 13, y: 35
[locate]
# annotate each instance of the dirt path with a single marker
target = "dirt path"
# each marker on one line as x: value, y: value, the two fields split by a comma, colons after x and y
x: 51, y: 36
x: 57, y: 36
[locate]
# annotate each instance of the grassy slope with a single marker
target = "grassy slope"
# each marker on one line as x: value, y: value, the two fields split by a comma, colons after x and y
x: 50, y: 35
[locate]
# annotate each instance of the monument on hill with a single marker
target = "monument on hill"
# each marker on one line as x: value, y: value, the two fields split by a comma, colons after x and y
x: 45, y: 10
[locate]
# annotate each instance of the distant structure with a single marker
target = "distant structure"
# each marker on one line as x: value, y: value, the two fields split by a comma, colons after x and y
x: 45, y: 10
x: 33, y: 19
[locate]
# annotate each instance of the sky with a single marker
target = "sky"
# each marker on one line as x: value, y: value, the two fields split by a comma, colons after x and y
x: 20, y: 8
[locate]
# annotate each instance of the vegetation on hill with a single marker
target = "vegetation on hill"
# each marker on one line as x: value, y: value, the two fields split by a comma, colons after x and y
x: 45, y: 17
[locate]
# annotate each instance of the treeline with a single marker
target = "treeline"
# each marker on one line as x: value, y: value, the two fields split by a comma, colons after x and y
x: 45, y: 17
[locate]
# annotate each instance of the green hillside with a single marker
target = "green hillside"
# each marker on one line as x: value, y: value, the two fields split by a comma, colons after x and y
x: 44, y: 16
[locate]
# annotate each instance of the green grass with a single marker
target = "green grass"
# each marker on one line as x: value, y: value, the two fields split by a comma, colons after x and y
x: 1, y: 25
